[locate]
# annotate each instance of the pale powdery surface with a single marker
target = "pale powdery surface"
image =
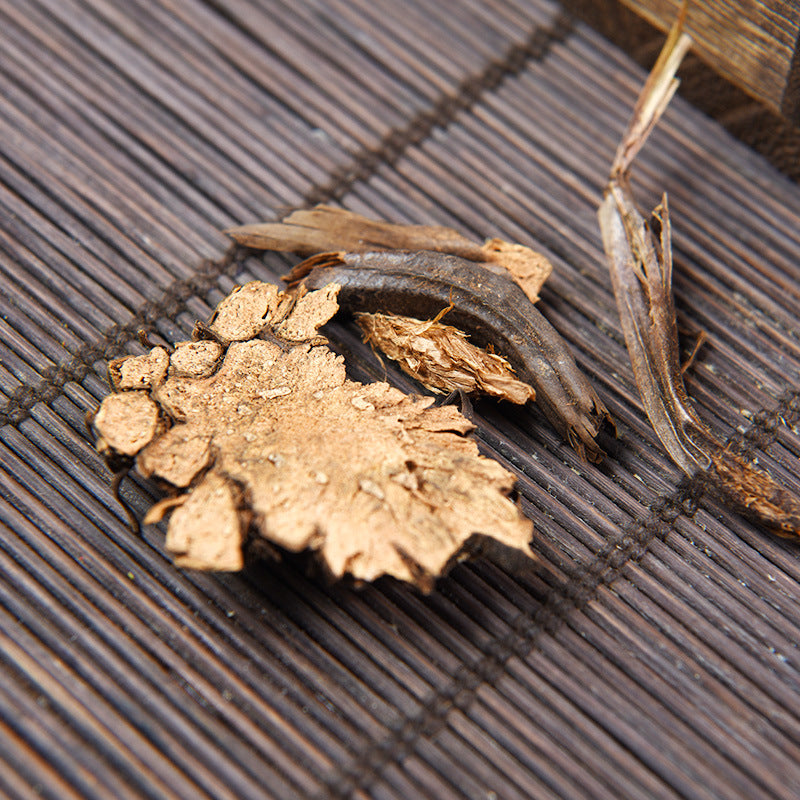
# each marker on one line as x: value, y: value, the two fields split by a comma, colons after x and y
x: 269, y: 431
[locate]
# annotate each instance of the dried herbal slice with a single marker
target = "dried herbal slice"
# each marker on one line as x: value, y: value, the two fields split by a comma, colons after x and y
x: 375, y: 481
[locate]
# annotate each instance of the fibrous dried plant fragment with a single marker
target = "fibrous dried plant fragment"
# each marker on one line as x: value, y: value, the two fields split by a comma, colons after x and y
x: 377, y: 482
x: 640, y: 261
x: 322, y: 229
x: 490, y: 307
x: 441, y: 358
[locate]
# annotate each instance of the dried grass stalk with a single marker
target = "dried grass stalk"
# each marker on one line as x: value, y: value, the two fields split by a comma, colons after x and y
x: 640, y: 261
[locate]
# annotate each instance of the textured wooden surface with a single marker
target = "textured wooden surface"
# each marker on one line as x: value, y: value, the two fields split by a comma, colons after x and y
x: 651, y: 653
x: 754, y: 43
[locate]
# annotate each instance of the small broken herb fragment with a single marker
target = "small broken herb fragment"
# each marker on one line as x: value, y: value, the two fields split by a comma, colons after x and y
x: 260, y: 436
x: 639, y: 254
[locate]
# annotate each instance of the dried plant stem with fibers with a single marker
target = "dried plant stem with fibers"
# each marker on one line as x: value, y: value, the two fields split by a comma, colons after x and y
x: 307, y: 232
x: 258, y: 431
x: 640, y: 261
x: 490, y: 307
x: 440, y: 357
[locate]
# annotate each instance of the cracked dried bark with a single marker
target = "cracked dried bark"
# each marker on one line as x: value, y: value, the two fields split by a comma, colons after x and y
x: 640, y: 262
x: 257, y: 428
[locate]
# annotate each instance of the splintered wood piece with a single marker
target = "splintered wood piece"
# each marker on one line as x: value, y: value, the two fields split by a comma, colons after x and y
x: 374, y: 481
x: 639, y: 256
x: 753, y: 43
x: 441, y: 358
x: 315, y: 230
x: 308, y: 232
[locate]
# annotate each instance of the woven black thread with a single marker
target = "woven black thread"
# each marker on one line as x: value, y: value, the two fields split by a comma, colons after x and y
x: 766, y: 423
x: 364, y: 165
x: 116, y: 338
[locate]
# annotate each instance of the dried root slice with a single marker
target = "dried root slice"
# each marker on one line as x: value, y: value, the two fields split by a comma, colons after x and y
x: 268, y: 435
x: 441, y: 358
x: 308, y: 232
x: 206, y: 531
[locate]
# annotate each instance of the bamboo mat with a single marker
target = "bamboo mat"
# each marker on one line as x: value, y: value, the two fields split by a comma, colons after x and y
x: 651, y: 653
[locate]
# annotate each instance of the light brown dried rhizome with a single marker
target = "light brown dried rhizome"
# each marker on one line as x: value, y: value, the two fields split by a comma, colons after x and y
x: 260, y: 433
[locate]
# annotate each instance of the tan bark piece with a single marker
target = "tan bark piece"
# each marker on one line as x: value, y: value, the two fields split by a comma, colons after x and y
x: 195, y: 359
x: 377, y: 482
x: 256, y: 306
x: 139, y: 372
x: 205, y: 532
x: 527, y: 267
x: 126, y: 422
x: 441, y: 358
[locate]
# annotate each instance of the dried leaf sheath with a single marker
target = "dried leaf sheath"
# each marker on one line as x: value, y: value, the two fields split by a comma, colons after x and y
x: 641, y: 276
x: 640, y: 262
